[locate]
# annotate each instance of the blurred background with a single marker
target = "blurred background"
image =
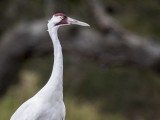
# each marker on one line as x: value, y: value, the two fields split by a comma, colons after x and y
x: 111, y: 70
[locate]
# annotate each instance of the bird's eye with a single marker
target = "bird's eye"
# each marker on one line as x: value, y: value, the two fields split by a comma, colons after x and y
x: 61, y: 17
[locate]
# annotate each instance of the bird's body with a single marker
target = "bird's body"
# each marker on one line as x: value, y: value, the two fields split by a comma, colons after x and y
x: 48, y: 103
x: 36, y: 109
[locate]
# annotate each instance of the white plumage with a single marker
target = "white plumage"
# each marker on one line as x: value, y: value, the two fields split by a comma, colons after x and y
x: 48, y: 103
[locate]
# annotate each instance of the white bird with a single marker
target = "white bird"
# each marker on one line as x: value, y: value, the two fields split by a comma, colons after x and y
x: 48, y: 103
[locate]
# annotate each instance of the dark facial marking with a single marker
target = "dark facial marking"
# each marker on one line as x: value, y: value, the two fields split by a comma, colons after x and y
x: 64, y: 20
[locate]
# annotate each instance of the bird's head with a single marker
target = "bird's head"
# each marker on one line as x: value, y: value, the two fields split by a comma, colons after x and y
x: 60, y: 19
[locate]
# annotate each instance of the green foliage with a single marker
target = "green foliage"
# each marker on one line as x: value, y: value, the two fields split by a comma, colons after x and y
x: 139, y: 16
x: 81, y: 110
x: 117, y: 88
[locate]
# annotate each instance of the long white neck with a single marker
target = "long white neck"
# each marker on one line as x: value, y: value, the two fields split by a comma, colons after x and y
x: 54, y: 87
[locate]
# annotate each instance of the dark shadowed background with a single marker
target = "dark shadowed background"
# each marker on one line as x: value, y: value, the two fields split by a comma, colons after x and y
x: 111, y: 70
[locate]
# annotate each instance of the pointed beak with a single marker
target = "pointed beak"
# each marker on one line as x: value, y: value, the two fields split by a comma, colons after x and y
x: 76, y: 22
